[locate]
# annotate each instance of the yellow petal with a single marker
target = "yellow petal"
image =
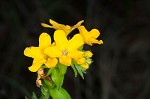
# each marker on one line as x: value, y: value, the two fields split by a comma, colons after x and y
x: 95, y: 41
x: 81, y: 61
x: 56, y: 25
x: 60, y: 39
x: 94, y: 33
x: 88, y: 53
x: 76, y: 42
x: 65, y: 60
x: 53, y: 22
x: 78, y: 24
x: 34, y: 52
x: 76, y: 54
x: 36, y: 65
x: 100, y: 42
x: 53, y: 51
x: 46, y: 25
x: 44, y: 40
x: 53, y: 44
x: 51, y: 62
x: 66, y: 29
x: 82, y: 30
x: 85, y: 66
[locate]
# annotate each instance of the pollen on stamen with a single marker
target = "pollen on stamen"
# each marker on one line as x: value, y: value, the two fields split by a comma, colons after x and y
x: 64, y: 52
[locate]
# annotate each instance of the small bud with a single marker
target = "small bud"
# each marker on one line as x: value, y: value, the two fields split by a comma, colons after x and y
x: 88, y: 53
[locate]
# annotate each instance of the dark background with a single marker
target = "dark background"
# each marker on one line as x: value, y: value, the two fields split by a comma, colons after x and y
x: 121, y: 66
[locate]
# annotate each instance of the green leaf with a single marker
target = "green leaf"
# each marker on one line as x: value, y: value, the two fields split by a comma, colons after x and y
x: 59, y: 93
x: 34, y: 95
x: 57, y: 78
x: 62, y: 68
x: 74, y: 69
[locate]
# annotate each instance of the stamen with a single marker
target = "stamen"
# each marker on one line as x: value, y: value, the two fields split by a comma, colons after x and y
x: 64, y: 52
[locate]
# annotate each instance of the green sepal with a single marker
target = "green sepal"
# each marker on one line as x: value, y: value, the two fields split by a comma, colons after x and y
x: 34, y: 95
x: 80, y: 48
x: 59, y: 93
x: 43, y: 66
x: 80, y: 69
x: 74, y: 69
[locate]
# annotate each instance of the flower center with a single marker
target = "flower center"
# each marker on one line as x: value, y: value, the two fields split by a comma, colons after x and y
x: 64, y: 52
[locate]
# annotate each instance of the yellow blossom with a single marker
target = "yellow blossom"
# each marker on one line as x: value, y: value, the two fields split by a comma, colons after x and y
x: 38, y: 55
x: 66, y: 28
x: 65, y: 49
x: 90, y: 36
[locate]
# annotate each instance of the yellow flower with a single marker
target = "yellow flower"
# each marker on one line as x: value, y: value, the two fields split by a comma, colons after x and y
x: 90, y: 36
x: 65, y: 49
x: 66, y: 28
x: 38, y: 55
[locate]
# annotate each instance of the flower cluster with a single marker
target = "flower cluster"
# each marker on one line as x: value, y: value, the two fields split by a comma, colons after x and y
x: 63, y: 50
x: 56, y: 56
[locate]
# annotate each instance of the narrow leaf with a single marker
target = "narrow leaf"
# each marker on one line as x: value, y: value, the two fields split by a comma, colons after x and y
x: 74, y: 69
x: 79, y: 69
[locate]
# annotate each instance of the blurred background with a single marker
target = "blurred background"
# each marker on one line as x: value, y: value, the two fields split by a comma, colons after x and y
x: 121, y: 66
